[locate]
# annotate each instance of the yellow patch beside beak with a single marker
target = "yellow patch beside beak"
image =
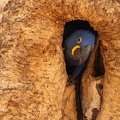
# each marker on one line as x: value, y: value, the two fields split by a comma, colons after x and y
x: 74, y: 48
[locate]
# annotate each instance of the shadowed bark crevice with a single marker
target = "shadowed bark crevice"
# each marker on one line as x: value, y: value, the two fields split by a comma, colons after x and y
x: 99, y: 69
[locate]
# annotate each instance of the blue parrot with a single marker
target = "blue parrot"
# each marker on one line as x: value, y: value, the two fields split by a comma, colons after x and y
x: 77, y: 50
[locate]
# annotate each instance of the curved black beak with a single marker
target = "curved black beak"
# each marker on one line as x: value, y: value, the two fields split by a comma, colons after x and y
x: 82, y: 53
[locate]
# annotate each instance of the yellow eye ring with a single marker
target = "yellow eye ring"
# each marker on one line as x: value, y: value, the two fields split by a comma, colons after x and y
x: 79, y: 39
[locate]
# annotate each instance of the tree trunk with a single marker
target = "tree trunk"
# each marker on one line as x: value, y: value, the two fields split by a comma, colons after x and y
x: 32, y: 69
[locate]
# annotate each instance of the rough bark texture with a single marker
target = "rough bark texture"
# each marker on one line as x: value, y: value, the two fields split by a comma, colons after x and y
x: 32, y: 68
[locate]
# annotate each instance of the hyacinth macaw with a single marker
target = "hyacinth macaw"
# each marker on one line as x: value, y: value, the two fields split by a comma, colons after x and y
x: 78, y: 48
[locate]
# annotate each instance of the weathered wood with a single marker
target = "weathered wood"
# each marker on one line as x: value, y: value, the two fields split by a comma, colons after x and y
x: 32, y: 68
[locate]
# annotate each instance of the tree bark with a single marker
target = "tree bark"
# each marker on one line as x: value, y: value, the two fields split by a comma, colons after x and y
x: 32, y: 69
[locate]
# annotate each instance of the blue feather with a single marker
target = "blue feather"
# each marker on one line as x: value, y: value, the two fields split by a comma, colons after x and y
x: 88, y: 39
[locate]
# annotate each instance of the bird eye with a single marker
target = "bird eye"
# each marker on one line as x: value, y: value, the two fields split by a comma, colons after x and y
x: 79, y: 39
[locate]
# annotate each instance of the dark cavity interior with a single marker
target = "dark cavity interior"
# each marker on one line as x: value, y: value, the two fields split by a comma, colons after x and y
x: 72, y: 26
x: 98, y: 67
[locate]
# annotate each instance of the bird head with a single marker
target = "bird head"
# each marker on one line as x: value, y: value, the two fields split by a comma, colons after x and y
x: 79, y: 45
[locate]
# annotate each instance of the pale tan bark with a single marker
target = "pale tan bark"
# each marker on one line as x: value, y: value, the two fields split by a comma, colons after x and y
x: 32, y: 68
